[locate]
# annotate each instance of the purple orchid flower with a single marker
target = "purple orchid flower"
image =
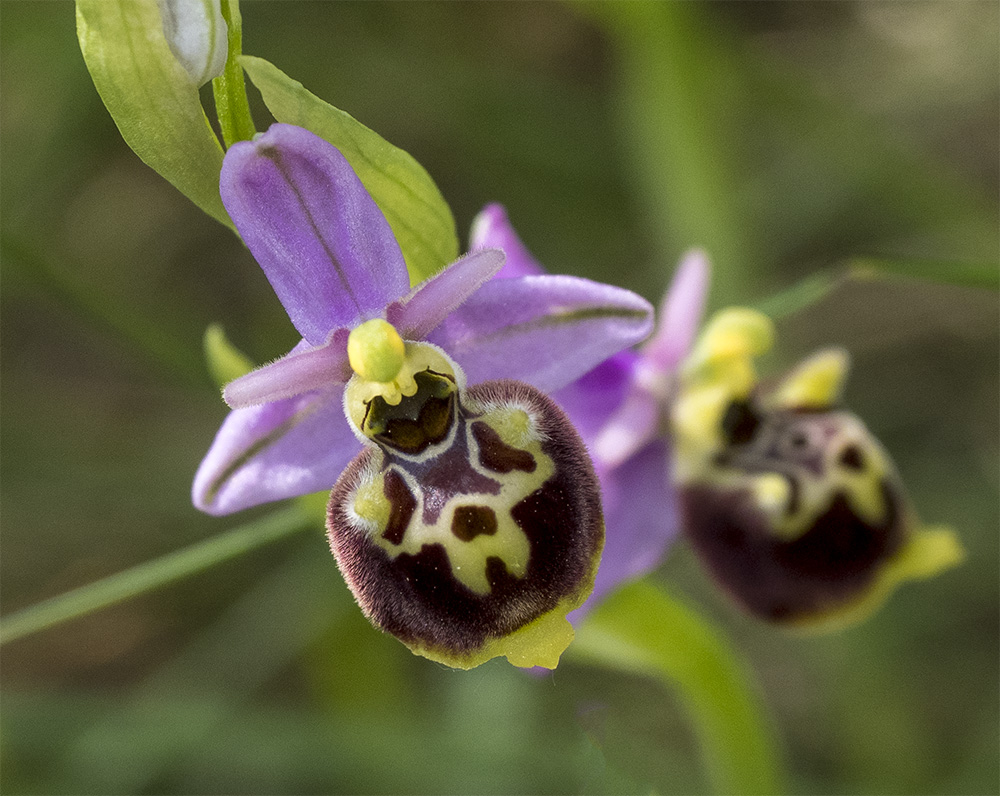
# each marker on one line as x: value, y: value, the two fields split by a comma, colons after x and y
x: 621, y: 410
x: 331, y: 257
x: 465, y: 513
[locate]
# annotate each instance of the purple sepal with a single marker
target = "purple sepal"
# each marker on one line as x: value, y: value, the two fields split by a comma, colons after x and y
x: 680, y: 312
x: 594, y: 397
x: 630, y: 427
x: 640, y: 516
x: 492, y: 229
x: 324, y: 245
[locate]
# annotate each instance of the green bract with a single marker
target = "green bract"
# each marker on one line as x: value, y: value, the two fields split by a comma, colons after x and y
x: 412, y: 204
x: 151, y: 97
x: 225, y: 361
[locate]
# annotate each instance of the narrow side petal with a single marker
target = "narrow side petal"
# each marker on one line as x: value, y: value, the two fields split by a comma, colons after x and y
x: 681, y: 312
x: 545, y: 330
x: 276, y: 451
x: 492, y: 229
x: 324, y: 245
x: 432, y: 301
x: 304, y: 369
x: 640, y: 514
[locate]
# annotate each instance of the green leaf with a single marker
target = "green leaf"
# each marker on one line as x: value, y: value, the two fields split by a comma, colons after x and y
x: 420, y: 218
x: 641, y: 629
x: 151, y: 97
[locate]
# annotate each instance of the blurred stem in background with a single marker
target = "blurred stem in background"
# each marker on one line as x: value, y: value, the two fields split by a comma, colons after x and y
x: 164, y: 352
x: 731, y: 150
x: 196, y: 693
x: 675, y: 94
x: 153, y: 574
x: 642, y: 629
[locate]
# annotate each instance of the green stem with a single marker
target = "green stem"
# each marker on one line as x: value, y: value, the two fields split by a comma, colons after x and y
x: 153, y: 574
x: 641, y: 629
x: 817, y: 286
x: 229, y: 88
x: 984, y: 274
x: 803, y: 294
x: 677, y: 84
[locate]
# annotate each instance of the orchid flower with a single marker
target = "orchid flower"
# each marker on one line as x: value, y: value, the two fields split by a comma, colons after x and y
x: 621, y: 409
x: 467, y: 521
x: 791, y: 503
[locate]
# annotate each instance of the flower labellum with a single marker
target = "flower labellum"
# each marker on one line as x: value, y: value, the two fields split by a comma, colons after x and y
x: 468, y: 520
x: 473, y: 523
x: 788, y: 499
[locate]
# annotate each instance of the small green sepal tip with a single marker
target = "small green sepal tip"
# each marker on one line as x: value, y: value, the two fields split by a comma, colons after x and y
x: 225, y: 361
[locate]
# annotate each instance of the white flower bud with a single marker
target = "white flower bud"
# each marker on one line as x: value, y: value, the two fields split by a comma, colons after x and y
x: 197, y: 35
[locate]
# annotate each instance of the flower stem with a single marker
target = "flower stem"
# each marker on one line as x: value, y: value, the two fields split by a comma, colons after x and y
x: 803, y: 294
x: 230, y: 88
x: 641, y: 629
x: 153, y: 574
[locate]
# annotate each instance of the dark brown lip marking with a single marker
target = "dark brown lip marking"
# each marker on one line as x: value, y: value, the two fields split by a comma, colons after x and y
x: 829, y: 565
x: 852, y: 458
x: 497, y: 455
x: 468, y: 522
x: 402, y: 505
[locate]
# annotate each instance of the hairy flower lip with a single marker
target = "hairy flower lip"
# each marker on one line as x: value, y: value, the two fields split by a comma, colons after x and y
x: 331, y: 258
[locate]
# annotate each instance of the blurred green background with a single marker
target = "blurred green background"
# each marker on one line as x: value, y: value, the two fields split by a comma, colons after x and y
x: 784, y: 137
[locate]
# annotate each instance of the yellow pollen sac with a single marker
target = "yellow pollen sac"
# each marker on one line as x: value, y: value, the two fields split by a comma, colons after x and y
x: 376, y: 351
x: 726, y: 348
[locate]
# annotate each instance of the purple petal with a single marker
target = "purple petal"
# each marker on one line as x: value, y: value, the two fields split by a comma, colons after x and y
x: 491, y: 229
x: 592, y: 399
x: 634, y: 424
x: 324, y: 245
x: 304, y: 369
x: 545, y: 330
x: 279, y: 450
x: 432, y: 301
x: 641, y: 521
x: 680, y: 312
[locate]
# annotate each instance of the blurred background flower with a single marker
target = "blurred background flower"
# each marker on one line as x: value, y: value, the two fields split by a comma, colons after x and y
x: 782, y: 137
